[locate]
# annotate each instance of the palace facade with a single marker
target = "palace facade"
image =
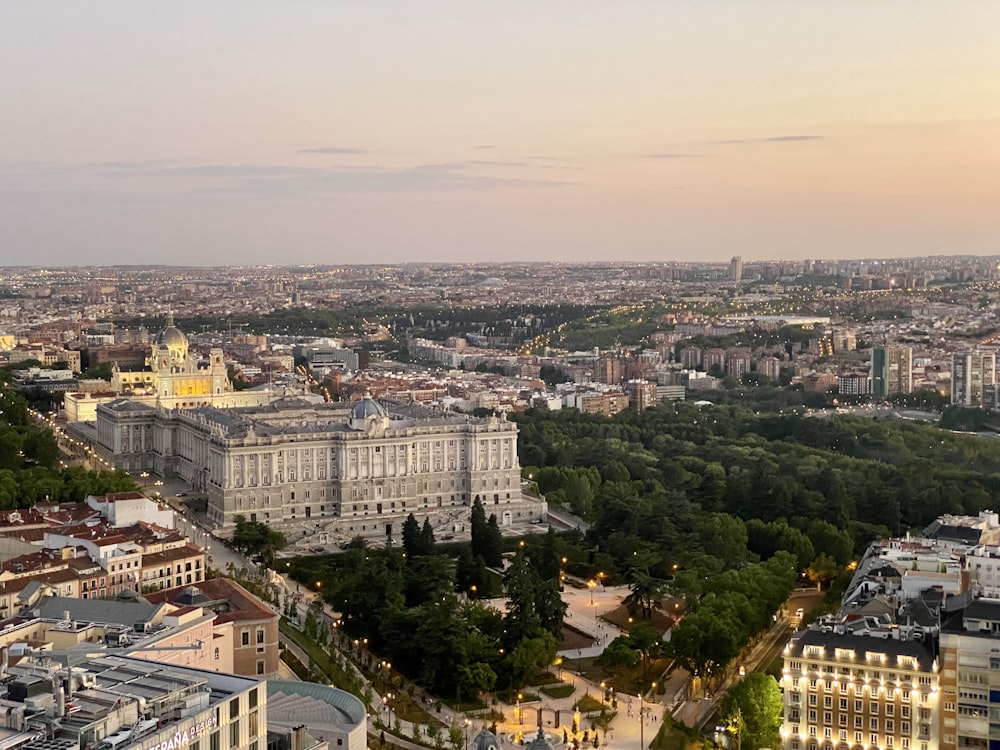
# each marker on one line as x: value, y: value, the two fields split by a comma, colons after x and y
x: 325, y: 470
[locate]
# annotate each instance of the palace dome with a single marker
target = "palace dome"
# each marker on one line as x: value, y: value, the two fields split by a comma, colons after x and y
x: 368, y: 407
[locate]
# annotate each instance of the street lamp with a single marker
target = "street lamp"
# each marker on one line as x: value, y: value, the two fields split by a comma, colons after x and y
x: 591, y: 584
x: 468, y: 723
x: 520, y: 717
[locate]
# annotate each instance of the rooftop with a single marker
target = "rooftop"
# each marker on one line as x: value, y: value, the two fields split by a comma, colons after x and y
x: 831, y: 640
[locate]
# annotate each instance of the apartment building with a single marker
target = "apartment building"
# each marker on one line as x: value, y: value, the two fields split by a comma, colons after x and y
x: 972, y: 374
x: 970, y: 677
x: 247, y: 626
x: 891, y: 370
x: 608, y: 404
x: 642, y: 394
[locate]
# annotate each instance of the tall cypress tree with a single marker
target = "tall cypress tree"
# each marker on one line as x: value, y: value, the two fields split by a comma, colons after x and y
x: 427, y: 538
x: 411, y: 537
x: 492, y: 549
x: 478, y: 524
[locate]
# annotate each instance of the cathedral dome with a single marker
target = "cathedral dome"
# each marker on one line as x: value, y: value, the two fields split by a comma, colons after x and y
x: 173, y: 339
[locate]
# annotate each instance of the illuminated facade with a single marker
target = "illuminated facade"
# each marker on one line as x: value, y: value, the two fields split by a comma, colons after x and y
x: 175, y: 378
x: 847, y: 690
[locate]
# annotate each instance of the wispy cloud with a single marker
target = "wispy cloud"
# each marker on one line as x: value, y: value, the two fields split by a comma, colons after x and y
x: 772, y: 139
x: 334, y: 150
x: 495, y: 163
x: 486, y: 145
x: 673, y: 156
x: 141, y: 164
x: 272, y: 179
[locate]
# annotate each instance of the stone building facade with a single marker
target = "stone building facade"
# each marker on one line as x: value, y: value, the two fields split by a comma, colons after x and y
x: 325, y: 469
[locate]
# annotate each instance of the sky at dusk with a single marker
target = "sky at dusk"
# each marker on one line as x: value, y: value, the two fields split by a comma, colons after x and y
x: 369, y: 131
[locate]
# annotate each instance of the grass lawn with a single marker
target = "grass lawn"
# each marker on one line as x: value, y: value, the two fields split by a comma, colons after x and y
x: 574, y: 639
x: 558, y: 691
x: 407, y: 709
x: 619, y: 617
x: 321, y: 659
x: 674, y: 736
x: 587, y: 703
x: 463, y: 706
x: 510, y: 696
x: 300, y: 669
x: 631, y: 681
x: 543, y: 678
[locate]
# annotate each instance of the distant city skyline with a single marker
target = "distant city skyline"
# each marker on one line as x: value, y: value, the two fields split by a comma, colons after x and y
x: 387, y: 131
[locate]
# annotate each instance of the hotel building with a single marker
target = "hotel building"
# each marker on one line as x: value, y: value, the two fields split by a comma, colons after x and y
x: 846, y: 689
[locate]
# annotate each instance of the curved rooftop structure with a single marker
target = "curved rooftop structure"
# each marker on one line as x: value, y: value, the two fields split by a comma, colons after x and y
x: 368, y: 407
x: 485, y: 740
x: 325, y: 711
x: 173, y: 338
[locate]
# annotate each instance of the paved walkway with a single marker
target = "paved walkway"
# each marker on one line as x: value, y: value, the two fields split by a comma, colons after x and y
x: 584, y: 608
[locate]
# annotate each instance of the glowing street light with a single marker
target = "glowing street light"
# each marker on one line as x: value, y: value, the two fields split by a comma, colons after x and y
x: 591, y: 584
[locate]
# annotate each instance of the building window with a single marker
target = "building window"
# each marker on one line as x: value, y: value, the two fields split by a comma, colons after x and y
x: 245, y: 638
x: 234, y: 709
x: 260, y: 666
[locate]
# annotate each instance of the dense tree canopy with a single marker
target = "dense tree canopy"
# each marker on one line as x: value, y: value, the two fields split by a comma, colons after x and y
x: 753, y: 709
x: 30, y: 471
x: 407, y: 608
x: 835, y: 483
x: 257, y: 540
